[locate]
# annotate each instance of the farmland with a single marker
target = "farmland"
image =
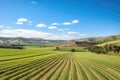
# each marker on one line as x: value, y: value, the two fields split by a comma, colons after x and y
x: 35, y: 63
x: 77, y: 49
x: 110, y: 42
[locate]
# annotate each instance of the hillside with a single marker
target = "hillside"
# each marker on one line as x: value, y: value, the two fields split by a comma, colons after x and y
x: 100, y: 39
x: 110, y: 42
x: 40, y: 41
x: 28, y: 41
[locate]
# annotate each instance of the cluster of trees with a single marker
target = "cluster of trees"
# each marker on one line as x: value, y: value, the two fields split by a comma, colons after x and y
x: 12, y: 46
x: 105, y: 49
x: 73, y: 50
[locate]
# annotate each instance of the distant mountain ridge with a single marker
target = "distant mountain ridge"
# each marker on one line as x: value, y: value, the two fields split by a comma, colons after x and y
x: 40, y: 41
x: 28, y: 41
x: 100, y: 39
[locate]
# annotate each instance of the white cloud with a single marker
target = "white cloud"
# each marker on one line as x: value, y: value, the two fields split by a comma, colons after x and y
x: 41, y: 25
x: 21, y: 21
x: 76, y: 33
x: 52, y: 27
x: 66, y: 29
x: 75, y: 21
x: 4, y: 27
x: 8, y: 27
x: 23, y: 33
x: 67, y: 23
x: 81, y: 35
x: 55, y: 24
x: 61, y: 37
x: 1, y: 26
x: 73, y: 32
x: 36, y: 34
x: 33, y: 2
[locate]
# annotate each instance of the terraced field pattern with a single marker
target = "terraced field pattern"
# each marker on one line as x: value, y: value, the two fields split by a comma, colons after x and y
x: 34, y: 63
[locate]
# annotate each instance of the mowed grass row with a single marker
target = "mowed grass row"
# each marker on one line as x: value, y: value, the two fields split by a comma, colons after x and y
x: 57, y: 65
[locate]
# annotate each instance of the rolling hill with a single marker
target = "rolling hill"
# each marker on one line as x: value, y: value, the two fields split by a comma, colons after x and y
x: 40, y: 41
x: 100, y: 39
x: 110, y: 42
x: 28, y: 41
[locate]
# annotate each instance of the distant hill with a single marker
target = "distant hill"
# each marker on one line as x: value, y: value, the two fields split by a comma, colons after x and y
x: 40, y: 41
x: 28, y: 41
x: 110, y: 42
x: 100, y: 39
x: 78, y: 44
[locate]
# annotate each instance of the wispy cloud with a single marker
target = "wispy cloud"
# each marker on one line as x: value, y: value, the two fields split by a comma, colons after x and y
x: 8, y: 27
x: 61, y: 37
x: 1, y: 26
x: 75, y: 21
x: 34, y: 34
x: 23, y: 33
x: 7, y: 31
x: 55, y: 24
x: 70, y: 23
x: 41, y: 25
x: 73, y: 32
x: 4, y: 27
x: 33, y: 2
x: 20, y: 21
x: 67, y: 23
x: 52, y: 27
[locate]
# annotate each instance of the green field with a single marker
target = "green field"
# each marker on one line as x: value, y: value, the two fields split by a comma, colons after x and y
x: 35, y: 63
x: 110, y: 42
x: 77, y: 49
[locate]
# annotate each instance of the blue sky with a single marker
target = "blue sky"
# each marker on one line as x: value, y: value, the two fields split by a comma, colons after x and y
x: 59, y: 19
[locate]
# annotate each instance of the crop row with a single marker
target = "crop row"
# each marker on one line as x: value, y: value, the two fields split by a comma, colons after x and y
x: 10, y: 72
x: 97, y: 71
x: 64, y: 66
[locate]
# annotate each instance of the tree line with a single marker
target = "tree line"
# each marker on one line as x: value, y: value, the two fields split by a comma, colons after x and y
x: 105, y: 49
x: 12, y: 46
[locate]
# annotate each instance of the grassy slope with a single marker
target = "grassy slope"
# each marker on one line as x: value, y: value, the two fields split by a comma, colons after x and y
x: 111, y: 42
x: 101, y: 39
x: 81, y: 65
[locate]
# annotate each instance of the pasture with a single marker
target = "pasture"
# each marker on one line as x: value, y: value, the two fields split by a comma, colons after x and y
x: 77, y: 49
x: 110, y: 42
x: 35, y: 63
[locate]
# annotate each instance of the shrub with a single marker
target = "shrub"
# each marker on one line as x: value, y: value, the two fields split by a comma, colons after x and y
x: 72, y: 50
x: 57, y: 48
